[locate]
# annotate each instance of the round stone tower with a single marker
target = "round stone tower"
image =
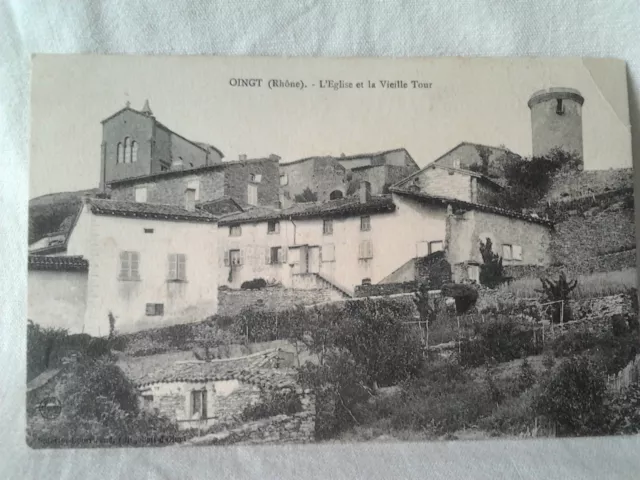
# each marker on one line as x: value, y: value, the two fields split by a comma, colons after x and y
x: 556, y: 121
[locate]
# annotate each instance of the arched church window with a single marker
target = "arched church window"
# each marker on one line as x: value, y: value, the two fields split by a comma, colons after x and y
x: 127, y: 150
x: 120, y: 158
x: 134, y: 151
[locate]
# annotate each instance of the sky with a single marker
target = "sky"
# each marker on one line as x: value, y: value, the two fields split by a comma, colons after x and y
x: 474, y: 100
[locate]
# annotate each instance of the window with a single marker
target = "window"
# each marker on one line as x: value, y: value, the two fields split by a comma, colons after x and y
x: 329, y: 252
x: 366, y: 250
x: 473, y: 272
x: 559, y: 107
x: 147, y: 400
x: 335, y: 195
x: 273, y: 226
x: 164, y: 166
x: 199, y: 404
x: 177, y: 271
x: 235, y: 257
x: 148, y: 230
x: 365, y: 223
x: 456, y: 163
x: 154, y: 309
x: 141, y: 194
x: 235, y: 230
x: 190, y: 199
x: 134, y: 151
x: 327, y: 227
x: 436, y: 246
x: 194, y: 185
x: 275, y: 255
x: 516, y: 250
x: 422, y: 249
x: 284, y: 179
x: 129, y: 266
x: 252, y: 194
x: 127, y: 150
x: 507, y: 252
x: 120, y: 158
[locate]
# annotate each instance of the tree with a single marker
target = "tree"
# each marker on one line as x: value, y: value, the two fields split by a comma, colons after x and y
x: 42, y: 343
x: 484, y: 153
x: 306, y: 196
x: 491, y: 270
x: 575, y: 398
x: 374, y: 334
x: 558, y: 291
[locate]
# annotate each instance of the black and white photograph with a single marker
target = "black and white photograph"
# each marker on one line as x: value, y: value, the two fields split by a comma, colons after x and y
x: 248, y: 251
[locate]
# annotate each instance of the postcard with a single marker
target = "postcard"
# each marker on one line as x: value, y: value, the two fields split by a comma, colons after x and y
x: 245, y: 251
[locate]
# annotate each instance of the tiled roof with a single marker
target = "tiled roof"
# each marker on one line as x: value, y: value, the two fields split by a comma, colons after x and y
x: 61, y: 262
x: 334, y: 208
x: 473, y: 206
x: 189, y: 171
x: 147, y: 210
x: 221, y: 206
x: 352, y: 157
x: 258, y: 369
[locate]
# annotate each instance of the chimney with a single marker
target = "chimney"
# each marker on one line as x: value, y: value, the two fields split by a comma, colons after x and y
x: 365, y: 192
x: 242, y: 157
x: 190, y: 200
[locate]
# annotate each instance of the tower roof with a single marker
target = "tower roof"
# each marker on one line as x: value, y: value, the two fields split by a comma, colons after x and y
x: 556, y: 93
x: 146, y: 109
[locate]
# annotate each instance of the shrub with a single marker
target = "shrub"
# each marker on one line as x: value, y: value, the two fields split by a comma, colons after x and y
x: 574, y: 397
x: 625, y: 411
x: 572, y: 343
x: 464, y: 295
x: 516, y: 415
x: 255, y: 284
x: 526, y: 377
x: 278, y: 403
x: 619, y: 325
x: 499, y: 340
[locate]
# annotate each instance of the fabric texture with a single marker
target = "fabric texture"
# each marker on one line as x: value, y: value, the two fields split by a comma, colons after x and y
x: 597, y: 28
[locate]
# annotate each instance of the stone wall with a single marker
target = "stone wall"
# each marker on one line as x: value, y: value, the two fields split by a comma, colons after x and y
x: 237, y: 178
x: 170, y: 188
x: 231, y: 302
x: 295, y: 428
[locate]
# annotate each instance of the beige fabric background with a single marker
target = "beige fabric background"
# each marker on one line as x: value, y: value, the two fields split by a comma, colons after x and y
x: 311, y: 28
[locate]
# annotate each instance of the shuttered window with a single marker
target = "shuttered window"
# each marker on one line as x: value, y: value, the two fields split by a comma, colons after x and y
x: 366, y: 249
x: 129, y: 266
x: 177, y: 267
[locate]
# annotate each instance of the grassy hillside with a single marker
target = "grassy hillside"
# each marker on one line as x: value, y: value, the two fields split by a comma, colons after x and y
x: 47, y: 212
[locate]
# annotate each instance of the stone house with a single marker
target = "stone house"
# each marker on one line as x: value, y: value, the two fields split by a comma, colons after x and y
x: 331, y: 178
x: 135, y: 143
x: 248, y: 182
x: 372, y: 239
x: 149, y: 265
x: 485, y: 159
x: 199, y: 394
x: 458, y: 183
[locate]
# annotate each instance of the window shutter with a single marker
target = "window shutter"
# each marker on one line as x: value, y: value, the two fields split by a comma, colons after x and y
x: 283, y: 251
x: 517, y: 252
x: 226, y: 258
x: 241, y: 257
x: 506, y: 252
x: 369, y: 249
x: 124, y: 264
x: 172, y: 274
x: 182, y: 266
x: 204, y: 404
x: 280, y: 255
x: 135, y: 265
x: 361, y: 250
x: 267, y: 255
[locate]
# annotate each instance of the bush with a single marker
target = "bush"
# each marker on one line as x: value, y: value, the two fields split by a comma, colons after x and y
x: 619, y: 325
x: 572, y: 343
x: 287, y: 403
x: 625, y: 411
x: 574, y: 397
x: 558, y: 291
x: 255, y: 284
x: 464, y: 295
x: 499, y: 340
x: 516, y: 415
x: 491, y: 270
